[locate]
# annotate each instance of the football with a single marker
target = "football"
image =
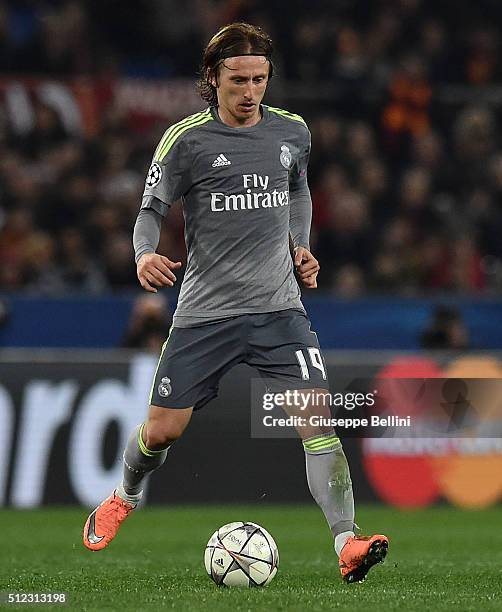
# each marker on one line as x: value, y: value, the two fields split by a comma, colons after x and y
x: 241, y: 555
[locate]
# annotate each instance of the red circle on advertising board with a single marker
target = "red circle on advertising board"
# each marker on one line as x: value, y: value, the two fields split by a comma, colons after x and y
x: 399, y: 470
x: 404, y: 481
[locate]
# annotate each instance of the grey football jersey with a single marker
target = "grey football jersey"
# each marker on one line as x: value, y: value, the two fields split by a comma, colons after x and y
x: 244, y: 191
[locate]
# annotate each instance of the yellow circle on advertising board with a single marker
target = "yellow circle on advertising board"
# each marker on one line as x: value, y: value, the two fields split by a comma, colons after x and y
x: 470, y: 475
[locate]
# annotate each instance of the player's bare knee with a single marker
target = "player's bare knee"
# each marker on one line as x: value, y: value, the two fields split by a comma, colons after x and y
x: 165, y: 426
x: 160, y: 435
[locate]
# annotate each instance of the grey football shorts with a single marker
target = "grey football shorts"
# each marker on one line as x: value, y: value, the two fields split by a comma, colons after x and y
x: 279, y: 345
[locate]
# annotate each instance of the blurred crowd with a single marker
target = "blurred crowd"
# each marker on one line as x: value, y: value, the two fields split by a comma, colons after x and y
x: 406, y: 183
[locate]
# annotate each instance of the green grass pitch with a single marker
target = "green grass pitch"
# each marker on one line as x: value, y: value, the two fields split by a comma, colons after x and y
x: 439, y: 559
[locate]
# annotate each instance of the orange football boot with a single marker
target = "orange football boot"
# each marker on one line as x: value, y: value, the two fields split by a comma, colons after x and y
x: 104, y: 522
x: 360, y: 554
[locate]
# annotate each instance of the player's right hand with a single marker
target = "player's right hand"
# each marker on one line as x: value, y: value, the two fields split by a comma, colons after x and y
x: 155, y: 270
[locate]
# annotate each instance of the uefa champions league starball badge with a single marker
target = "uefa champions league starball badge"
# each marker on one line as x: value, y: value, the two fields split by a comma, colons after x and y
x: 285, y: 157
x: 154, y: 175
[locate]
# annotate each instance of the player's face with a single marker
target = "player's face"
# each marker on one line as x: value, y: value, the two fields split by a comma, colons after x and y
x: 242, y: 82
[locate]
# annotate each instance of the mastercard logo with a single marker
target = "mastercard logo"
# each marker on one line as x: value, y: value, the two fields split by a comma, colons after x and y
x: 412, y: 473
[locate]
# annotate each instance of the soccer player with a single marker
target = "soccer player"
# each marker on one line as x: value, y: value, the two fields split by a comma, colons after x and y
x: 240, y: 168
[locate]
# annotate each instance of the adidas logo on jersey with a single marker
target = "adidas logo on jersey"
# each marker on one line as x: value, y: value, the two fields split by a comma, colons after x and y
x: 221, y: 160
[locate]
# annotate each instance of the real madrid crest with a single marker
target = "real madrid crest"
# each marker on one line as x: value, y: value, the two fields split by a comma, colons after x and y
x: 285, y: 157
x: 165, y: 387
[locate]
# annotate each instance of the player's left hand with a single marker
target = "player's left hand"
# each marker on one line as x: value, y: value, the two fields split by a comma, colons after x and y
x: 307, y: 267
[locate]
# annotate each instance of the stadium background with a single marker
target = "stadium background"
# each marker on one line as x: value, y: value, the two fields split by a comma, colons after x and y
x: 403, y: 102
x: 403, y: 99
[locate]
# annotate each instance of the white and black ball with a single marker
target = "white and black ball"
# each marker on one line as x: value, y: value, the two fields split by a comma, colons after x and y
x: 241, y: 554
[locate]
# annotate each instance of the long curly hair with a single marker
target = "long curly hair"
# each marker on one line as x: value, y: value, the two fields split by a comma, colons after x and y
x: 233, y: 39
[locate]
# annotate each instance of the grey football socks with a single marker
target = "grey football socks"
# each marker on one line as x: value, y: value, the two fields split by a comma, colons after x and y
x: 139, y: 461
x: 328, y: 477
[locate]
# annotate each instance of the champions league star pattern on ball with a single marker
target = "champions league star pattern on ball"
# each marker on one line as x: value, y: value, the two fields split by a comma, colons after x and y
x: 241, y: 554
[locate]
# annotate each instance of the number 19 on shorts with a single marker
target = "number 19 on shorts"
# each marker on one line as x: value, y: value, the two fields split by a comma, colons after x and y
x: 315, y: 359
